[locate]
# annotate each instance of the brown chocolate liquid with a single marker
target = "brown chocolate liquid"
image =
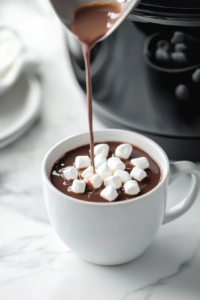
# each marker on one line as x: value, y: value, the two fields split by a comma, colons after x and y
x: 91, y: 22
x: 57, y: 179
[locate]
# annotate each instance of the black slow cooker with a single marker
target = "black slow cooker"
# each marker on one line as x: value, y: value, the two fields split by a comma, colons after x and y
x: 146, y: 75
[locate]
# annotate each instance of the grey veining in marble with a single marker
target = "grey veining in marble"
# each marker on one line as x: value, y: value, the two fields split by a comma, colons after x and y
x: 34, y: 263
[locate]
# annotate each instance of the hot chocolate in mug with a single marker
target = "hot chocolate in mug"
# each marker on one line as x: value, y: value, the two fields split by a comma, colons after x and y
x: 117, y: 232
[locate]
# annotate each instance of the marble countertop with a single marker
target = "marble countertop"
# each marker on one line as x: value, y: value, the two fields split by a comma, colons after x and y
x: 35, y: 264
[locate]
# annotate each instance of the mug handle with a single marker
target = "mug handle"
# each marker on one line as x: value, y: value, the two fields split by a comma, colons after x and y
x: 177, y: 169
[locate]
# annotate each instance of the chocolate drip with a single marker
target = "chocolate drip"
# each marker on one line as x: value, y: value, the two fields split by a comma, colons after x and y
x: 91, y: 22
x: 86, y: 54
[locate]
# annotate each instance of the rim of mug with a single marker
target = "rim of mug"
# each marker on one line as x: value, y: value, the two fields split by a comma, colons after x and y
x: 49, y: 183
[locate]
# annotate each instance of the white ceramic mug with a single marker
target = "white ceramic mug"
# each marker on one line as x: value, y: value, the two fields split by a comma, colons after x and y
x: 118, y: 232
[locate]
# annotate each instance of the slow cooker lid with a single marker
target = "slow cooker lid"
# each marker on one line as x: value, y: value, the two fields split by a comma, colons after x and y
x: 172, y: 4
x: 168, y: 12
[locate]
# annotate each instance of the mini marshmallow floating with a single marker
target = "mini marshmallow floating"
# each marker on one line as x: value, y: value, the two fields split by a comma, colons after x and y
x: 138, y: 174
x: 123, y: 151
x: 78, y: 187
x: 109, y: 193
x: 104, y: 171
x: 114, y: 181
x: 89, y: 170
x: 99, y: 160
x: 101, y: 149
x: 82, y: 162
x: 115, y: 164
x: 70, y: 173
x: 93, y: 180
x: 140, y: 162
x: 131, y: 188
x: 125, y: 176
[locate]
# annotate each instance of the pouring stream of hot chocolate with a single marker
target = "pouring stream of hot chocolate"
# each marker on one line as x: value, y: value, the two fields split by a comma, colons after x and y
x: 91, y: 22
x: 86, y: 54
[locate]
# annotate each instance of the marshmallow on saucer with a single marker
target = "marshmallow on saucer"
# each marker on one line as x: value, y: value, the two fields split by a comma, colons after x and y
x: 115, y: 164
x: 89, y: 170
x: 70, y: 173
x: 99, y: 160
x: 93, y: 180
x: 104, y: 171
x: 123, y: 151
x: 114, y: 181
x: 82, y: 162
x: 78, y: 187
x: 125, y: 176
x: 131, y: 188
x: 101, y: 149
x: 138, y: 174
x: 109, y: 193
x: 140, y: 162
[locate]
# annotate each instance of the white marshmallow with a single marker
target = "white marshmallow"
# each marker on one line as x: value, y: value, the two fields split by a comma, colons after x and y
x: 125, y: 176
x: 109, y: 193
x: 89, y: 170
x: 93, y: 180
x: 123, y: 151
x: 104, y: 171
x: 99, y: 160
x: 82, y: 162
x: 131, y: 188
x: 101, y: 149
x: 115, y: 164
x: 112, y: 159
x: 140, y: 162
x: 70, y: 173
x: 138, y: 174
x: 114, y: 181
x: 78, y: 186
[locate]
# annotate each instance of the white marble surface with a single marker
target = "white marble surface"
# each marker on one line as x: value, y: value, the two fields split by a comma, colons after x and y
x: 35, y: 264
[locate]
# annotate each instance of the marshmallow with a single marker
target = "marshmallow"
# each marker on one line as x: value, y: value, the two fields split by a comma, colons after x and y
x: 114, y: 181
x: 140, y: 162
x: 101, y: 149
x: 78, y: 186
x: 131, y: 188
x: 89, y: 170
x: 125, y: 176
x: 115, y: 164
x: 138, y: 174
x: 99, y: 160
x: 70, y: 173
x: 123, y: 151
x: 93, y: 180
x: 104, y: 171
x: 82, y: 162
x: 109, y: 193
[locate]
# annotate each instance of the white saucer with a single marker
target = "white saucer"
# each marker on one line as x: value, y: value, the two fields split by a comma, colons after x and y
x: 19, y: 108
